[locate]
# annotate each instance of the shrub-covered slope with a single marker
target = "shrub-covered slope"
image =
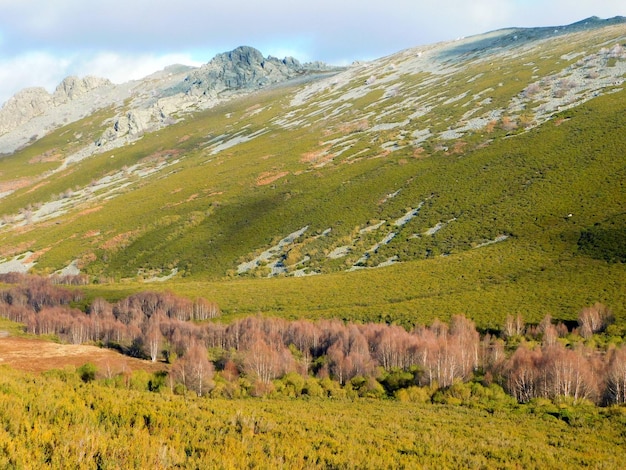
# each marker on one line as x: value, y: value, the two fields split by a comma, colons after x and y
x: 56, y: 420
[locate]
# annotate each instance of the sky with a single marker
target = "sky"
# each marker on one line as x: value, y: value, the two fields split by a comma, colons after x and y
x: 43, y: 41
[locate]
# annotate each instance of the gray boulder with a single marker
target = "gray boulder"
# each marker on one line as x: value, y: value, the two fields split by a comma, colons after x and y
x: 129, y: 126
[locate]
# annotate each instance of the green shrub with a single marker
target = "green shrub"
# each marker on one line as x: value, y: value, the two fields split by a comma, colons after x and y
x: 87, y: 372
x: 414, y: 394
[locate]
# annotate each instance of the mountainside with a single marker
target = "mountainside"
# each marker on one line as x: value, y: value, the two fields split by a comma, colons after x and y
x: 487, y: 170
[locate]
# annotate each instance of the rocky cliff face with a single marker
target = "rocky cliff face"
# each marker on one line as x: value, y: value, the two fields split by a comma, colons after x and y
x: 22, y: 107
x: 242, y: 70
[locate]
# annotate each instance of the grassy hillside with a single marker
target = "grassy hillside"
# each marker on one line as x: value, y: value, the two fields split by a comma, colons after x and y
x: 483, y: 177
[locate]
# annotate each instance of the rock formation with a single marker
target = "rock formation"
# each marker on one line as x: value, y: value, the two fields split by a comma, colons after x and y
x: 153, y: 101
x: 73, y: 87
x: 244, y: 68
x: 32, y: 102
x: 22, y: 107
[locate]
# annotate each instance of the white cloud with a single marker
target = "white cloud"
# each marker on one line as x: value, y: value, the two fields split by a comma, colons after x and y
x: 121, y: 68
x: 30, y: 70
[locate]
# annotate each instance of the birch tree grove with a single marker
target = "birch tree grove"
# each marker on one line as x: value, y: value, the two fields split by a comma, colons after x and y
x: 528, y: 361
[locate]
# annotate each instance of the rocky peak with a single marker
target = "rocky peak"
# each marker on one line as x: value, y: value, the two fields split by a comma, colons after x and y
x: 243, y: 55
x: 243, y: 68
x: 154, y: 100
x: 73, y: 87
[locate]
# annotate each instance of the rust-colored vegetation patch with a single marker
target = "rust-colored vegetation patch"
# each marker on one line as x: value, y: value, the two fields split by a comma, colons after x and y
x: 10, y: 251
x: 559, y: 121
x: 314, y: 157
x: 268, y: 177
x: 160, y: 155
x: 323, y: 161
x: 91, y: 233
x: 86, y: 259
x: 318, y: 158
x: 35, y: 256
x: 119, y: 241
x: 383, y: 154
x: 14, y: 185
x: 90, y: 210
x: 52, y: 155
x: 508, y: 124
x: 491, y: 126
x: 251, y: 110
x: 356, y: 126
x: 419, y: 152
x: 37, y: 355
x: 458, y: 147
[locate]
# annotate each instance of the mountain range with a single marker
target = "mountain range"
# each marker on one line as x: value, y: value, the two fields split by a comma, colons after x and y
x: 484, y: 175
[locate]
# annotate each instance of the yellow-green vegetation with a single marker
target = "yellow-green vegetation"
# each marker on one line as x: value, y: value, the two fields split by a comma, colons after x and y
x: 414, y: 293
x: 8, y: 327
x: 519, y: 218
x: 58, y: 420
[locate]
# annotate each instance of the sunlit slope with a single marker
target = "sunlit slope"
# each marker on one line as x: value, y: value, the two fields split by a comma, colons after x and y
x: 494, y: 164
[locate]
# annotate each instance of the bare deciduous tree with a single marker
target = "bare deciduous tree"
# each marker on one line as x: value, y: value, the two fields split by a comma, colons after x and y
x: 594, y: 319
x: 195, y: 371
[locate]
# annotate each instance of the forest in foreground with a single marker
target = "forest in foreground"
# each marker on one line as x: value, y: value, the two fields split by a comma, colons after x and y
x: 263, y: 392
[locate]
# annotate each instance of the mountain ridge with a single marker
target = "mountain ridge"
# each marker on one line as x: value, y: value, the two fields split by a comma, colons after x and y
x: 243, y: 69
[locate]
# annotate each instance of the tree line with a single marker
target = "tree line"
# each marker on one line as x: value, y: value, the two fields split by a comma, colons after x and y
x: 548, y: 360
